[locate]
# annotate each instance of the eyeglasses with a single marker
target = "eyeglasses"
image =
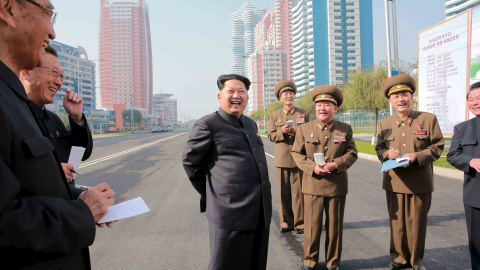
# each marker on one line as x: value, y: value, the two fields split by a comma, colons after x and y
x: 55, y: 73
x: 52, y: 13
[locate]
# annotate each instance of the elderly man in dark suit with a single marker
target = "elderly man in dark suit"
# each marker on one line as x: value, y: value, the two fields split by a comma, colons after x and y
x: 41, y: 85
x: 464, y: 155
x: 41, y: 225
x: 225, y: 161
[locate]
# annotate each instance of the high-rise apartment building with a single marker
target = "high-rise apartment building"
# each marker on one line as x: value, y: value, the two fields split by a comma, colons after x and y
x: 329, y: 39
x: 454, y: 7
x: 266, y: 68
x: 80, y: 77
x: 125, y: 55
x: 165, y: 108
x: 242, y: 24
x: 283, y: 29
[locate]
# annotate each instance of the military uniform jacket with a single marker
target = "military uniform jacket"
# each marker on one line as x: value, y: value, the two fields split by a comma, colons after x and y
x: 336, y: 142
x: 419, y: 134
x: 465, y: 147
x: 41, y: 227
x: 225, y: 162
x: 284, y: 142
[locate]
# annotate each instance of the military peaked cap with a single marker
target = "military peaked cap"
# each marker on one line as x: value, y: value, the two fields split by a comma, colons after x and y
x: 283, y: 86
x: 399, y: 83
x: 327, y: 93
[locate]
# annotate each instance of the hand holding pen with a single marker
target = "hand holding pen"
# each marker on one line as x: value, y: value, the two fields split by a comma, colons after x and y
x: 393, y: 154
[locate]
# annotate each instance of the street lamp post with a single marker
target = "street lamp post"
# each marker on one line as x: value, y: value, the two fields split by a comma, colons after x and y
x: 131, y: 116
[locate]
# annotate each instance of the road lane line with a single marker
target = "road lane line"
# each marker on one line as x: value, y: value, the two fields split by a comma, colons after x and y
x: 92, y: 162
x: 268, y: 155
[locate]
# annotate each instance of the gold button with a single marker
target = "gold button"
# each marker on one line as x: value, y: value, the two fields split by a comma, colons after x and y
x: 325, y: 128
x: 326, y: 137
x: 403, y: 134
x: 326, y: 147
x: 326, y: 158
x: 403, y: 124
x: 404, y: 145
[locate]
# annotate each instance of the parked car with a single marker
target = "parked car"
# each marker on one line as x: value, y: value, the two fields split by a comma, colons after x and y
x: 156, y: 130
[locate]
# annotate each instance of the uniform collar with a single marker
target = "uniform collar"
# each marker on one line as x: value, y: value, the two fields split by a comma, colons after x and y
x: 234, y: 121
x: 323, y: 126
x: 291, y: 111
x: 12, y: 80
x: 408, y: 121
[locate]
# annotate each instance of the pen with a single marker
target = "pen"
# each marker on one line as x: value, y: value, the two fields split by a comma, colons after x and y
x: 391, y: 147
x: 73, y: 171
x: 87, y: 187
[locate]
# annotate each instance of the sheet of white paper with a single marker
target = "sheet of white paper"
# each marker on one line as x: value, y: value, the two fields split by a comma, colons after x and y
x: 402, y: 159
x: 131, y: 208
x: 76, y: 155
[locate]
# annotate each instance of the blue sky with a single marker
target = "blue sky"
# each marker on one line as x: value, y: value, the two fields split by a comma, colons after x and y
x: 190, y: 40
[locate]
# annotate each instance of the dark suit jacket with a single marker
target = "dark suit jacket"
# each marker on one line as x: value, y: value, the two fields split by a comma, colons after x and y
x: 62, y: 139
x: 465, y: 146
x: 226, y: 164
x: 41, y: 227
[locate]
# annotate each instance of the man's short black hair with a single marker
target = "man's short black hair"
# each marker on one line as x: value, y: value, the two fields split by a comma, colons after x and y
x: 473, y: 87
x: 223, y: 78
x: 51, y: 51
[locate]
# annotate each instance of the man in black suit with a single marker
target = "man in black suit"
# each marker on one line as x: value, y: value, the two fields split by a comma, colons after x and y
x: 225, y: 161
x: 41, y: 85
x: 464, y: 155
x: 41, y: 225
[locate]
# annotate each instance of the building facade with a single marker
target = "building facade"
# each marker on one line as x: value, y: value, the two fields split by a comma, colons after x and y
x: 125, y: 55
x: 242, y: 24
x: 283, y: 29
x: 454, y: 7
x: 164, y: 109
x: 330, y: 38
x: 80, y: 78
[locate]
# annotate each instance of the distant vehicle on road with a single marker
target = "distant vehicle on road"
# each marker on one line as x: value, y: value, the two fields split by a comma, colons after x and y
x: 156, y: 130
x: 168, y: 127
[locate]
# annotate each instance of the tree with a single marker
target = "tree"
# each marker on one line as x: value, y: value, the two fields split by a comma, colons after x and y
x: 273, y: 107
x: 137, y: 117
x: 305, y: 102
x: 363, y: 91
x: 258, y: 114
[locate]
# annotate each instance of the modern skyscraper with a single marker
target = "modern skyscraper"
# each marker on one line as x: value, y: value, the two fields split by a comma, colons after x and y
x: 330, y: 38
x: 80, y: 77
x: 454, y: 7
x: 165, y: 108
x: 242, y: 24
x: 283, y: 29
x: 125, y: 55
x: 267, y: 65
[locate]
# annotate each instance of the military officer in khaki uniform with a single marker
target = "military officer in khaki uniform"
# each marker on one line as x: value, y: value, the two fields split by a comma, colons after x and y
x: 324, y: 185
x: 288, y: 175
x: 409, y: 190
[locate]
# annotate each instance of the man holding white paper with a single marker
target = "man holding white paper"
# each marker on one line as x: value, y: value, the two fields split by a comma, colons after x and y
x: 415, y: 135
x: 282, y: 126
x: 41, y: 85
x: 325, y: 184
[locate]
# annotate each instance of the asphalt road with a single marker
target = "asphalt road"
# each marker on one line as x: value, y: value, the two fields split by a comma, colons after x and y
x: 174, y: 234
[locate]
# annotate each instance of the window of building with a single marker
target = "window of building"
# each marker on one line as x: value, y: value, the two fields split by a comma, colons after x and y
x: 351, y: 51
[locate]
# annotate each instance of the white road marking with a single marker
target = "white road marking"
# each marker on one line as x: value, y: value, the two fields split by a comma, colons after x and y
x: 88, y: 163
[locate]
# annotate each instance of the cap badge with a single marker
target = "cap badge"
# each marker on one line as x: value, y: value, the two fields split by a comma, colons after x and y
x: 398, y: 86
x: 323, y: 95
